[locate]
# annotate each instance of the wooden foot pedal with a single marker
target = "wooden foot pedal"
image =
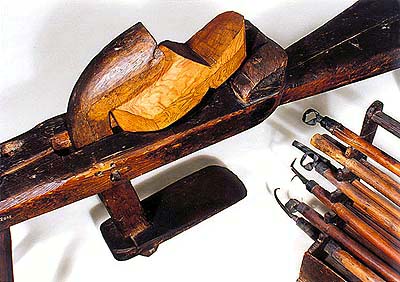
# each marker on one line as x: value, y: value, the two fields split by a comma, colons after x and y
x: 177, y: 208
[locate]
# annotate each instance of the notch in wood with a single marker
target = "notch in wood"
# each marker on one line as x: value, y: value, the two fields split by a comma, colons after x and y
x: 177, y: 208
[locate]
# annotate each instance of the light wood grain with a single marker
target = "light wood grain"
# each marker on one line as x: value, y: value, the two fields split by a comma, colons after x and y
x: 148, y: 87
x: 220, y: 47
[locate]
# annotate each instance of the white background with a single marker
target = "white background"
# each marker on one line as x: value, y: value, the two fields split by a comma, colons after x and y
x: 44, y: 47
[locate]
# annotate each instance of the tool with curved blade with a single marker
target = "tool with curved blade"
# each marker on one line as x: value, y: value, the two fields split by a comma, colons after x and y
x: 57, y: 162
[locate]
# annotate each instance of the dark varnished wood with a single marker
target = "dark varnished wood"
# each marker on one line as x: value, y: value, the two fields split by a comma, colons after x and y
x: 131, y: 56
x: 361, y: 42
x: 176, y: 208
x: 125, y: 209
x: 6, y: 257
x: 6, y: 266
x: 47, y: 167
x: 369, y: 128
x: 354, y: 247
x: 29, y: 173
x: 141, y: 86
x: 313, y: 268
x: 263, y: 72
x: 57, y: 180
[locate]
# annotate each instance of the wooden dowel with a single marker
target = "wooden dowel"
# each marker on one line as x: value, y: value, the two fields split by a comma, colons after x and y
x: 370, y: 234
x: 6, y: 265
x: 351, y: 264
x: 371, y: 260
x: 357, y: 168
x: 383, y: 202
x: 356, y: 236
x: 380, y: 173
x: 367, y: 205
x: 356, y: 210
x: 366, y: 148
x: 387, y: 122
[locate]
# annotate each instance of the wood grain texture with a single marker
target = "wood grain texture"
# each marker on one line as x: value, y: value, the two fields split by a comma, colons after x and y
x: 177, y: 208
x: 376, y: 197
x: 216, y: 52
x: 39, y: 178
x: 313, y: 268
x: 380, y: 200
x: 6, y: 257
x: 355, y: 248
x: 324, y: 145
x: 362, y: 228
x: 385, y: 177
x: 125, y: 209
x: 369, y: 127
x: 395, y: 242
x: 145, y: 87
x: 357, y: 237
x: 148, y: 87
x: 361, y: 42
x: 368, y: 149
x: 365, y: 204
x: 109, y: 80
x: 56, y: 180
x: 6, y: 265
x: 351, y: 264
x: 262, y: 74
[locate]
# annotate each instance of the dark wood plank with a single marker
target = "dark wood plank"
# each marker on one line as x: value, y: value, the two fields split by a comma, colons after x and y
x: 125, y: 209
x: 57, y: 180
x: 176, y: 208
x: 361, y: 42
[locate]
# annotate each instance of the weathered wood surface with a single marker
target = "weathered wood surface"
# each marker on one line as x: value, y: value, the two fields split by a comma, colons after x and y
x: 367, y: 191
x: 355, y: 248
x: 380, y: 200
x: 369, y: 128
x: 361, y: 227
x: 176, y: 208
x: 365, y: 147
x: 38, y: 177
x: 390, y: 191
x: 367, y: 205
x: 361, y: 42
x: 206, y: 61
x: 56, y: 180
x: 146, y: 87
x: 6, y: 265
x: 351, y: 264
x: 6, y: 257
x: 125, y: 209
x: 313, y: 269
x: 139, y: 86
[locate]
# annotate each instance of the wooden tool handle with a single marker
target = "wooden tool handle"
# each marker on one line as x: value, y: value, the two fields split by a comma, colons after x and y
x: 371, y: 235
x: 351, y: 264
x: 369, y: 150
x: 354, y: 247
x: 324, y: 145
x: 367, y: 205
